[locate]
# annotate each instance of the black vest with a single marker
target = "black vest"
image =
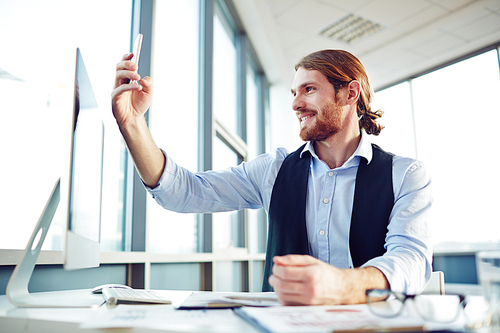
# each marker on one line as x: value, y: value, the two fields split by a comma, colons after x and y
x: 373, y: 202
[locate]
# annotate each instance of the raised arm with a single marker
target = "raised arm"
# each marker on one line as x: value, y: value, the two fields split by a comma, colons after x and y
x: 130, y: 101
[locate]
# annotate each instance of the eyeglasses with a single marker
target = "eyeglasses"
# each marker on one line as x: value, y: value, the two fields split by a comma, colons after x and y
x: 434, y: 308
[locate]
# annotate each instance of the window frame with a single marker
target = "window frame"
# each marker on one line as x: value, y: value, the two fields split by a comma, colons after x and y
x: 135, y: 255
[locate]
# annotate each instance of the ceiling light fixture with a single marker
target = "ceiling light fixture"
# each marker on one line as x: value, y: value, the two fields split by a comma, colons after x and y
x: 351, y: 28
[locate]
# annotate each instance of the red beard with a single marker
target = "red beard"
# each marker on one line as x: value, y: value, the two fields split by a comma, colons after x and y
x: 327, y: 123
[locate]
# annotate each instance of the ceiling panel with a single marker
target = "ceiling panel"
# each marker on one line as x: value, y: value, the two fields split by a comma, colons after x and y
x: 437, y: 45
x: 464, y: 18
x: 280, y: 6
x: 382, y: 37
x: 418, y: 35
x: 298, y: 17
x: 349, y: 6
x: 494, y: 6
x: 421, y: 18
x: 291, y: 37
x: 389, y: 12
x: 487, y: 24
x: 451, y: 4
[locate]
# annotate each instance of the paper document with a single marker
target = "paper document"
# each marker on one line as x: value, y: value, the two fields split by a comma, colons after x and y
x: 319, y: 319
x: 164, y: 317
x: 219, y: 300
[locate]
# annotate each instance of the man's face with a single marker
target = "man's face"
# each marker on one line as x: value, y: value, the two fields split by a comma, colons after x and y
x: 315, y: 105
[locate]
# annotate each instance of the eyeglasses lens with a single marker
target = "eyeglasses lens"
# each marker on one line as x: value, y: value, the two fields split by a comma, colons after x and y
x: 383, y: 303
x: 437, y: 308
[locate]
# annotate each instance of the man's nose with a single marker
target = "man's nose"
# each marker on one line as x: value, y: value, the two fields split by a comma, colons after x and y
x: 298, y: 103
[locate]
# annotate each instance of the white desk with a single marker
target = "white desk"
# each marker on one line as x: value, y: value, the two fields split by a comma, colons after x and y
x: 51, y: 320
x: 165, y: 318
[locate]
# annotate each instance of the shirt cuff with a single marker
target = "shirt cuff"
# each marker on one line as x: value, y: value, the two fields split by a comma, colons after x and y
x: 395, y: 284
x: 166, y: 178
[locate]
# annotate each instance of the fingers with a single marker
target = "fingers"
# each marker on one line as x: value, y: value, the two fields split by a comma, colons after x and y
x: 296, y: 279
x: 291, y: 279
x: 126, y: 71
x: 147, y: 84
x: 284, y: 285
x: 292, y: 292
x: 291, y: 273
x: 295, y: 260
x: 125, y: 77
x: 127, y: 56
x: 125, y: 64
x: 293, y: 269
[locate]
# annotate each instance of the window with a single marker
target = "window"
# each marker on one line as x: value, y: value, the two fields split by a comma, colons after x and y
x: 454, y: 108
x: 397, y: 120
x: 174, y: 116
x: 256, y: 105
x: 228, y: 227
x: 443, y: 119
x: 37, y: 101
x: 179, y: 53
x: 224, y: 71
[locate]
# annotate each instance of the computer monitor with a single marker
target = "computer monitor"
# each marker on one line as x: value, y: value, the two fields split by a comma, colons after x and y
x: 83, y: 213
x: 79, y: 198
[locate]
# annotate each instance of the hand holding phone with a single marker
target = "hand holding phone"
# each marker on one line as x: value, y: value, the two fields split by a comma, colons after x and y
x: 137, y: 50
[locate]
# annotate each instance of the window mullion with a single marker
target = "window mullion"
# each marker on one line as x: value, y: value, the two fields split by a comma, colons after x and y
x: 206, y: 131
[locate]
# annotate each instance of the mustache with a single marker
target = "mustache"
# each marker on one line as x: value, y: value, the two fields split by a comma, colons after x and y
x: 305, y: 110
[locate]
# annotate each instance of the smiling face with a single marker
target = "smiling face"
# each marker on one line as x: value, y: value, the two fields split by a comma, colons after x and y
x: 315, y: 105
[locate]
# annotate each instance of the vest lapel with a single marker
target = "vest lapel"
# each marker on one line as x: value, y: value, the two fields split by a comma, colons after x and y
x: 287, y: 211
x: 373, y: 202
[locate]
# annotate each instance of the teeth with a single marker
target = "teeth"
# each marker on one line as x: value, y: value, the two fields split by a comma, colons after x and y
x: 305, y: 118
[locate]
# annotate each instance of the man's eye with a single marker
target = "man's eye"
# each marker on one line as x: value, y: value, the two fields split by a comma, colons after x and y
x: 309, y: 89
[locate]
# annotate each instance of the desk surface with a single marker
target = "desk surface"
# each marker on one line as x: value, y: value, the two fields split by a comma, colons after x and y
x: 151, y: 318
x: 41, y: 320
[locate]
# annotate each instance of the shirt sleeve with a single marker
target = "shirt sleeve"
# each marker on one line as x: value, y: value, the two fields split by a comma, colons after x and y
x: 244, y: 186
x: 407, y: 264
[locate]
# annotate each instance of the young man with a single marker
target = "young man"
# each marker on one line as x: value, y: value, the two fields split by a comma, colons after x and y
x: 344, y: 216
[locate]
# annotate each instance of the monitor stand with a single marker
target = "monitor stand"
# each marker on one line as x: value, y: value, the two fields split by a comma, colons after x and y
x: 17, y: 288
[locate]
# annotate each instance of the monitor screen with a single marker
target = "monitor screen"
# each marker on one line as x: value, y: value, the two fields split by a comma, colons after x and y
x: 85, y: 176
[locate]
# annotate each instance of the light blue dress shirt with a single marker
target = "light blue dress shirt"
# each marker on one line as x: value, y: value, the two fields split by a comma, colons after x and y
x: 407, y: 262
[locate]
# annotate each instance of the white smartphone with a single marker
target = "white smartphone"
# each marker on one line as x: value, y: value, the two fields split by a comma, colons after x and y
x: 137, y: 50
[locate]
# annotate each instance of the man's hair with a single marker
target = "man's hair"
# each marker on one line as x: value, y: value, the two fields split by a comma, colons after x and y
x: 341, y: 67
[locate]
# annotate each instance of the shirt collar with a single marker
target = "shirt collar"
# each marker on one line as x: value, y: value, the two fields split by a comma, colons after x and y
x: 364, y: 149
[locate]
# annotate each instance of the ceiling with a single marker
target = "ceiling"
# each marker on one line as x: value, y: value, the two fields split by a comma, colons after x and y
x: 416, y: 35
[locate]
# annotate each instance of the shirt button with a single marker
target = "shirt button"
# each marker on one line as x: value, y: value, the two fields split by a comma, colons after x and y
x: 330, y: 173
x: 325, y: 200
x: 322, y: 232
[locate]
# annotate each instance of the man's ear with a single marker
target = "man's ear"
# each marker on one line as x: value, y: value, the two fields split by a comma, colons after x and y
x: 353, y: 92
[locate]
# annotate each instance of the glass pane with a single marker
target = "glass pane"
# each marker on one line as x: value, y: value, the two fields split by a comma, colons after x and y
x: 453, y: 108
x: 398, y: 136
x: 226, y: 225
x: 252, y: 130
x: 37, y: 99
x: 174, y: 115
x: 257, y: 275
x: 229, y: 276
x: 224, y: 76
x: 176, y: 276
x: 256, y: 218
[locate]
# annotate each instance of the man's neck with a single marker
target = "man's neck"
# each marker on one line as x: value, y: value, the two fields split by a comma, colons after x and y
x: 338, y: 148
